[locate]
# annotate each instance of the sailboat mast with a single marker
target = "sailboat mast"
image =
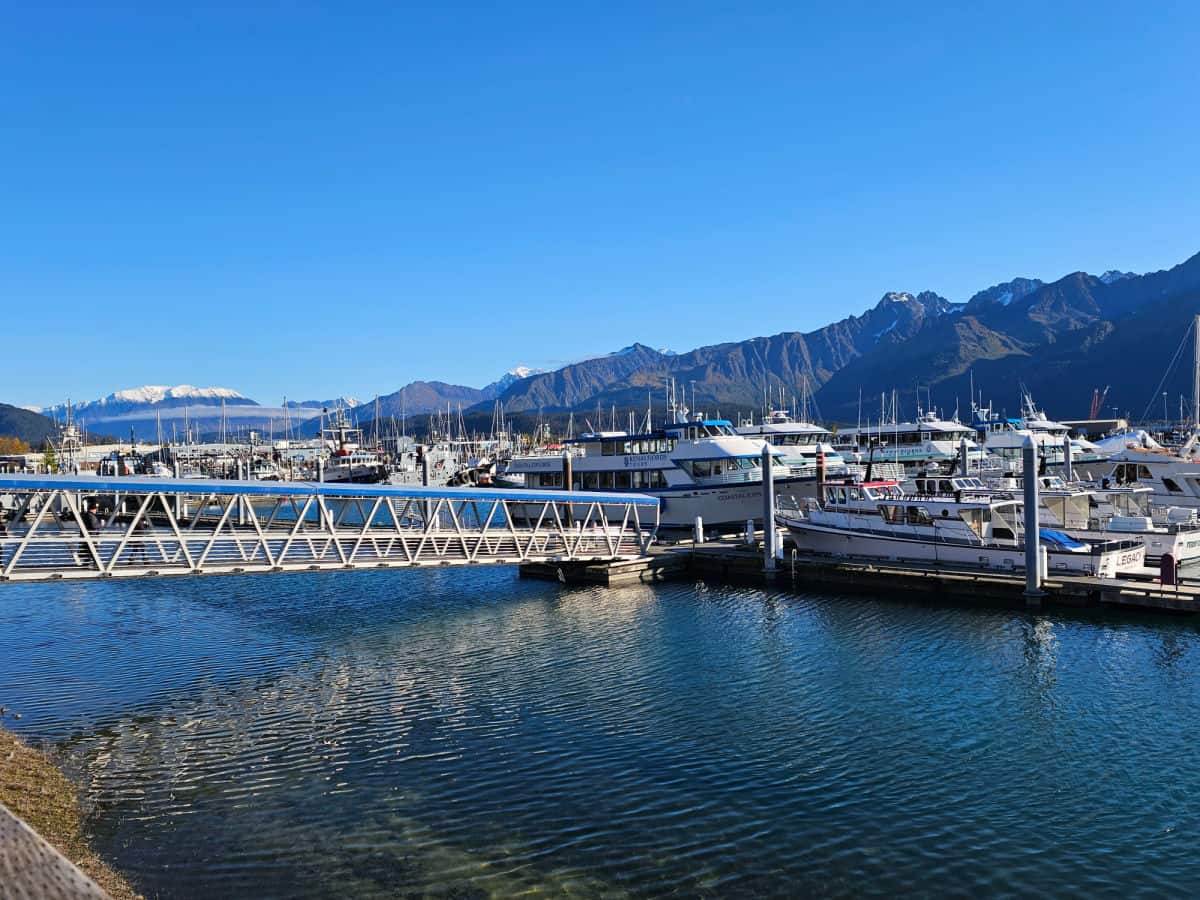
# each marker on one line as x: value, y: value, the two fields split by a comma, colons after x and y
x: 1196, y: 371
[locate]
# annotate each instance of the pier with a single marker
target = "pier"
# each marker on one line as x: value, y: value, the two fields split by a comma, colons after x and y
x: 735, y: 560
x: 164, y: 527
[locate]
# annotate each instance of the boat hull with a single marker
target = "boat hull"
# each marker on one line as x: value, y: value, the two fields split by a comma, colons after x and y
x: 718, y: 506
x: 812, y: 538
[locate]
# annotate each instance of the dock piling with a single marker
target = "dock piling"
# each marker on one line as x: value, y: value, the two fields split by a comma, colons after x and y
x: 769, y: 532
x: 1033, y: 555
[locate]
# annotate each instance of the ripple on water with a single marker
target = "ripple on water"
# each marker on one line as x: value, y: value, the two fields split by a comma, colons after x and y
x: 465, y: 732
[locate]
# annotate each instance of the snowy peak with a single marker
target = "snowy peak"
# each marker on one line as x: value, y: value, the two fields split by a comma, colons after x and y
x: 1114, y: 275
x: 344, y: 402
x: 509, y: 378
x: 924, y: 303
x: 157, y: 393
x: 155, y: 396
x: 1003, y: 294
x: 901, y: 314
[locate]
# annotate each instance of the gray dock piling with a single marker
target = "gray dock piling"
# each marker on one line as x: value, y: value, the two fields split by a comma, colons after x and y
x: 1033, y: 556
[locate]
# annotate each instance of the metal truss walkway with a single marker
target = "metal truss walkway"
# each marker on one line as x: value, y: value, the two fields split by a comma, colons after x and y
x: 162, y: 526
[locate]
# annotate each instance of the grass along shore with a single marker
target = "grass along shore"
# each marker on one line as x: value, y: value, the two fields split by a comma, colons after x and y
x: 37, y: 791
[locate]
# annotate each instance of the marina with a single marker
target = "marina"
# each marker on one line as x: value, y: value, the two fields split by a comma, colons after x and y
x: 597, y: 451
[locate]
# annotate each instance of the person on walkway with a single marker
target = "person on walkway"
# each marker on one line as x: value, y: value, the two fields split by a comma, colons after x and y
x: 91, y: 526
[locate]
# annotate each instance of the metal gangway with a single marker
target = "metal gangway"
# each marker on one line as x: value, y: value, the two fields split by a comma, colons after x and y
x: 166, y: 526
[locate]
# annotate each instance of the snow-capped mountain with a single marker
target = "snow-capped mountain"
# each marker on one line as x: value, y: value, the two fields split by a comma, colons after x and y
x: 155, y: 396
x: 512, y: 376
x: 1115, y: 275
x: 344, y: 402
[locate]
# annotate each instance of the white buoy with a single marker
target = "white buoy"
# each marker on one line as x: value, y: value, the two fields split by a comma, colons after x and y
x: 698, y: 530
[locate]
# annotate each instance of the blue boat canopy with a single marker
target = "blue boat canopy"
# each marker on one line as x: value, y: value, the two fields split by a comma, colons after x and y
x: 1060, y: 540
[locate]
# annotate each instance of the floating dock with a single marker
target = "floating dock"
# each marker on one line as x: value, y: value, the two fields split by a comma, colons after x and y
x: 738, y: 561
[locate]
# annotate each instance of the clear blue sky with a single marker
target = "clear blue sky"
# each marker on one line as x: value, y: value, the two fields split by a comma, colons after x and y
x: 315, y: 199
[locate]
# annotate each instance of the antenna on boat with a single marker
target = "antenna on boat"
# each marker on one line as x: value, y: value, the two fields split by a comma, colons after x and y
x: 1196, y: 370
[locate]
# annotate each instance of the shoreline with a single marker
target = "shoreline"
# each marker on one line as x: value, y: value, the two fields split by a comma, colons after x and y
x: 36, y: 790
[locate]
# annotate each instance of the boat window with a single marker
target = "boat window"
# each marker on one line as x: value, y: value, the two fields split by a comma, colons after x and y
x: 606, y: 481
x: 891, y: 513
x: 591, y: 481
x: 841, y: 495
x: 651, y: 478
x: 623, y: 481
x: 607, y: 448
x: 1171, y: 486
x: 974, y: 519
x: 918, y: 516
x: 745, y: 463
x: 1143, y: 473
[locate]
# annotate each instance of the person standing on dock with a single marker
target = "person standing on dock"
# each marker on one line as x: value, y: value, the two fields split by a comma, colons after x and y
x: 91, y: 525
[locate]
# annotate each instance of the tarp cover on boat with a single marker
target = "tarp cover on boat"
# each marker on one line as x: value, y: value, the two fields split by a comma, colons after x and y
x: 1059, y: 540
x: 1138, y: 438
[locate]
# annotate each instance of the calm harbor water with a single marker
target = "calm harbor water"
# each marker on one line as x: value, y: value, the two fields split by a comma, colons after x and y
x: 468, y: 734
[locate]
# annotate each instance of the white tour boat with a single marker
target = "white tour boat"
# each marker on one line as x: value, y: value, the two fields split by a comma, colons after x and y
x: 697, y: 468
x: 928, y: 444
x: 1005, y: 438
x: 799, y: 443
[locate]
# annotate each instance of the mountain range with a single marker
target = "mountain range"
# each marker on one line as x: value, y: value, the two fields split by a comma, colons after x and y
x: 1060, y: 340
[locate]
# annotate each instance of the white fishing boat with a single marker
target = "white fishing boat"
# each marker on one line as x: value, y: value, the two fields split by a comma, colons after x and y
x: 878, y: 520
x: 697, y: 468
x: 347, y: 462
x: 1090, y: 513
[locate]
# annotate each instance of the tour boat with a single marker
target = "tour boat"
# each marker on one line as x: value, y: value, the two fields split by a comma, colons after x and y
x: 799, y: 443
x: 1005, y: 437
x: 878, y: 520
x: 928, y: 444
x: 697, y: 468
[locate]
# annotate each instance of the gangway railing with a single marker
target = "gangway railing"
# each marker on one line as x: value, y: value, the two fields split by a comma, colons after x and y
x: 163, y: 526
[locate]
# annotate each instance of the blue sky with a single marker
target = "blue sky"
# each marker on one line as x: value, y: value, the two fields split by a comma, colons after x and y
x: 315, y: 199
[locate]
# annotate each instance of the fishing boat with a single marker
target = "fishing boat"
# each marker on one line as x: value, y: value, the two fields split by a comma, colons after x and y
x: 348, y: 462
x: 1091, y: 514
x: 879, y: 520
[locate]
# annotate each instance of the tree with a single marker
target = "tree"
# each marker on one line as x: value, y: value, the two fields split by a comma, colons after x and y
x: 12, y: 446
x: 50, y: 458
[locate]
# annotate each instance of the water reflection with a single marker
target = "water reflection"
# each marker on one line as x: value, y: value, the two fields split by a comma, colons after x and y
x: 373, y: 733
